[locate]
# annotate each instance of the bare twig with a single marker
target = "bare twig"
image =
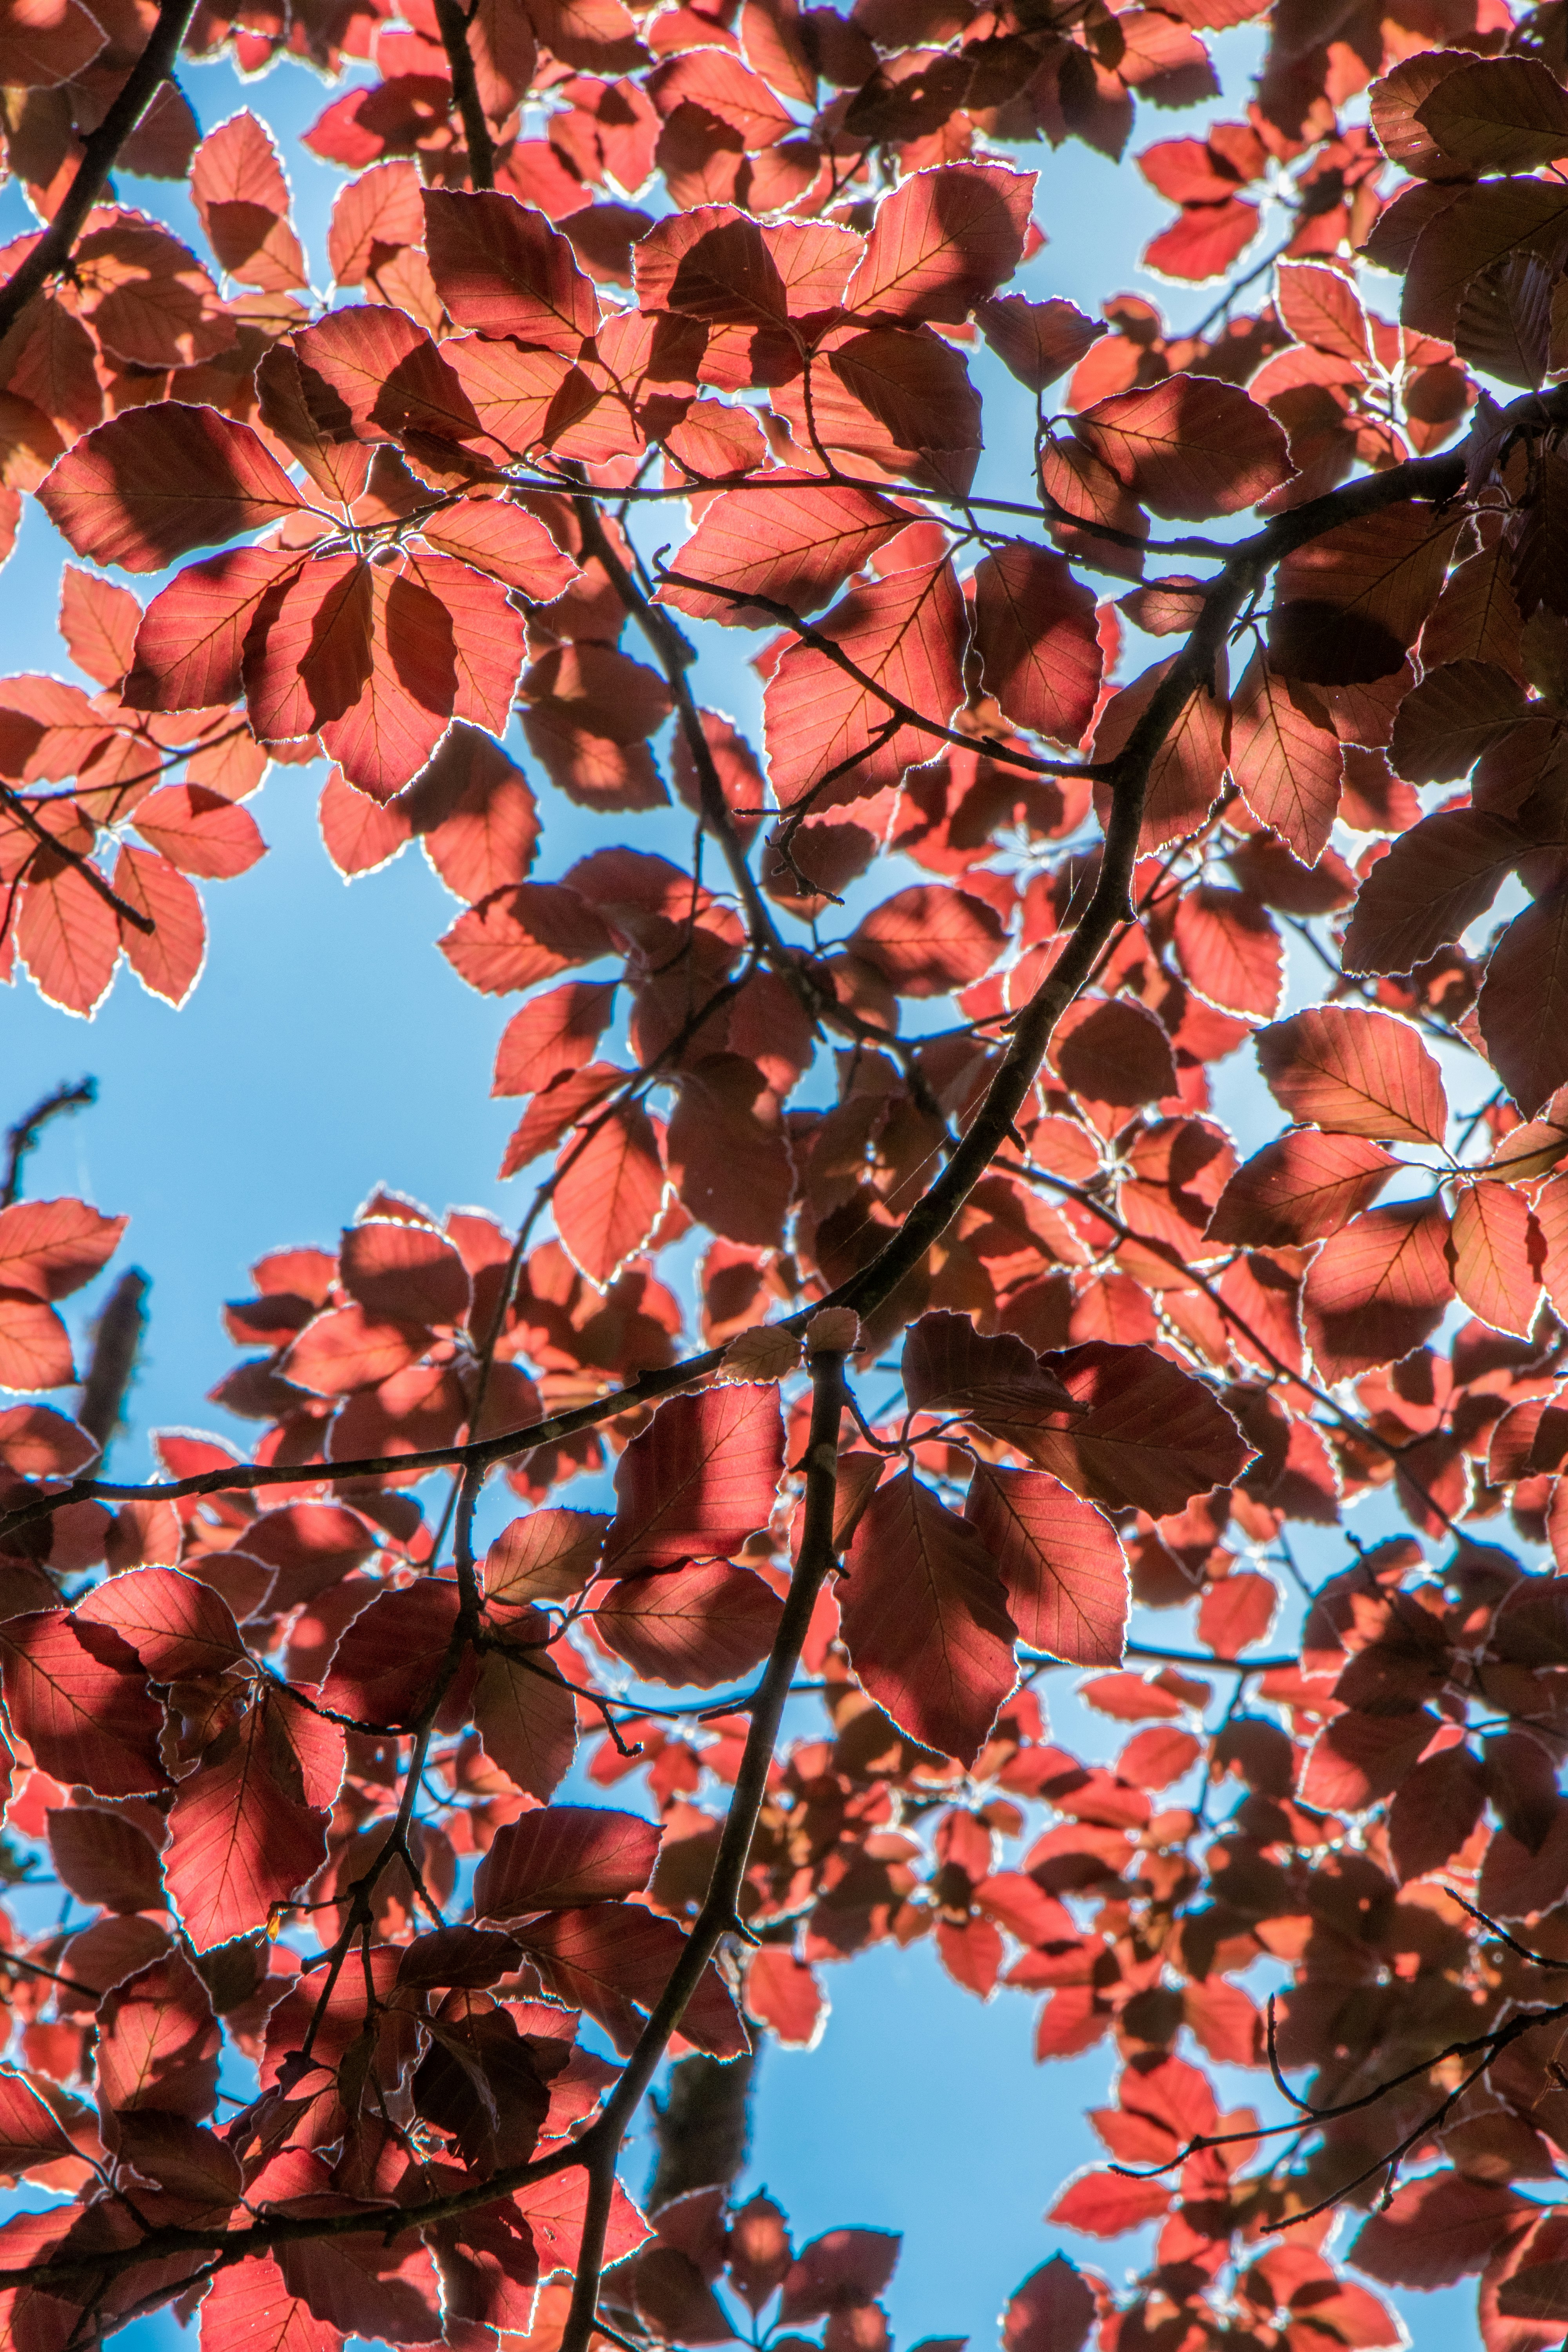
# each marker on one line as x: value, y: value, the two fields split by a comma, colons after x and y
x: 27, y: 1133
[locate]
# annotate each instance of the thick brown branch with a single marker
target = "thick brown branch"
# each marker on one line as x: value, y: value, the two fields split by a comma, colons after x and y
x: 101, y: 152
x: 452, y: 18
x: 113, y: 1359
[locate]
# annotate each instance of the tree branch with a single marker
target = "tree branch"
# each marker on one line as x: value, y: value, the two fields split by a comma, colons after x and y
x: 453, y: 21
x: 101, y: 152
x: 84, y: 866
x: 718, y: 1912
x: 25, y: 1137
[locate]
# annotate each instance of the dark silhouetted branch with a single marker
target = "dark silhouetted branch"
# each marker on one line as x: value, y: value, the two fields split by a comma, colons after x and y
x: 113, y: 1360
x: 101, y: 152
x: 27, y: 1134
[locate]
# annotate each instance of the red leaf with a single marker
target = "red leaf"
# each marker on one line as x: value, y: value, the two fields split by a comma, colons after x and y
x: 608, y: 1192
x: 153, y: 484
x: 200, y: 832
x: 381, y: 207
x: 242, y: 199
x: 1431, y: 887
x: 405, y: 1273
x: 1230, y: 950
x: 527, y: 1718
x: 498, y: 538
x: 1104, y: 2204
x: 1035, y: 628
x: 904, y: 632
x: 569, y: 1098
x: 707, y: 1624
x: 1147, y: 1434
x: 1436, y: 2230
x: 923, y: 1619
x: 1188, y: 447
x: 701, y: 1477
x: 34, y: 1346
x: 1490, y: 1246
x: 1236, y: 1612
x: 345, y: 1349
x: 842, y: 2270
x: 500, y: 268
x: 1204, y: 240
x: 486, y: 634
x: 30, y: 2130
x: 1301, y: 1188
x: 1153, y: 1759
x: 563, y: 1856
x: 728, y: 1152
x: 98, y: 623
x: 1436, y: 1807
x: 1061, y: 1564
x: 1113, y: 1051
x: 158, y: 2043
x: 409, y: 687
x: 252, y: 2304
x: 995, y: 1379
x: 104, y: 1859
x: 1188, y: 771
x: 361, y: 2280
x: 553, y: 2210
x: 43, y: 49
x: 1460, y: 710
x: 1349, y: 605
x: 797, y: 546
x: 308, y: 652
x: 192, y: 637
x: 179, y: 1629
x: 930, y: 940
x: 554, y: 1034
x: 386, y: 1664
x: 516, y: 936
x: 385, y: 373
x: 943, y: 241
x: 83, y: 1720
x: 783, y: 1994
x: 1497, y: 114
x: 614, y: 1960
x: 1525, y: 1003
x: 49, y: 1248
x: 1378, y: 1288
x: 168, y: 960
x: 242, y: 1839
x: 1355, y: 1073
x: 67, y: 935
x: 1038, y: 341
x: 547, y: 1556
x: 1053, y: 2311
x: 1286, y: 758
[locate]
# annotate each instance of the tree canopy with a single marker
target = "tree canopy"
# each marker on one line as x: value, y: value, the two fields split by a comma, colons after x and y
x: 890, y: 1321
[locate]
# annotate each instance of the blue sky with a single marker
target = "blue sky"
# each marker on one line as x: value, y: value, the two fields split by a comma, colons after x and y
x: 328, y: 1048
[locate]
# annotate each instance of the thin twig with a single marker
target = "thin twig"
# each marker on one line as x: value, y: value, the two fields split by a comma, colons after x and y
x: 27, y: 1133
